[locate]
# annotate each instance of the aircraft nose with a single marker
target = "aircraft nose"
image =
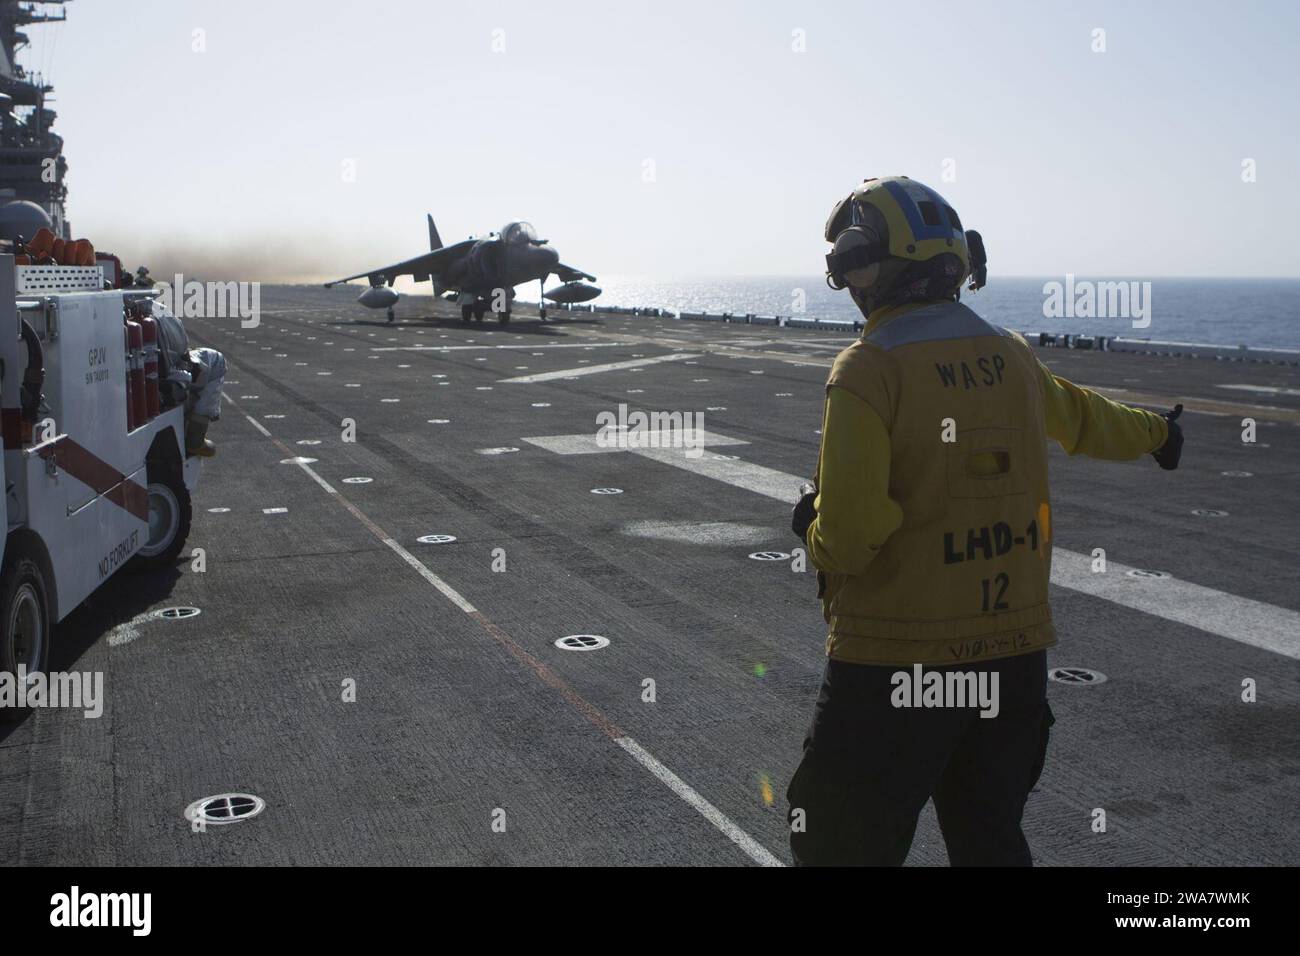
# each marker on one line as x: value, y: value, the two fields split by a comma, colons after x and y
x: 545, y: 257
x: 532, y: 262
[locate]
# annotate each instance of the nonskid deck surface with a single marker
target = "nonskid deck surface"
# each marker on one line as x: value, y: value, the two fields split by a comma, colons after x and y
x: 467, y: 715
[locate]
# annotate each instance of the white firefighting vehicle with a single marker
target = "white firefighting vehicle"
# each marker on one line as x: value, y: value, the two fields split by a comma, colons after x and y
x: 95, y: 471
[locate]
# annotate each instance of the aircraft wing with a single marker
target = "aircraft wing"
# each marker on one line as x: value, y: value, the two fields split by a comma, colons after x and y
x: 570, y: 274
x: 429, y: 264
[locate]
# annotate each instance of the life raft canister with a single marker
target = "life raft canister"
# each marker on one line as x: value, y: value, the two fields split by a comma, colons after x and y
x: 149, y: 327
x: 135, y: 389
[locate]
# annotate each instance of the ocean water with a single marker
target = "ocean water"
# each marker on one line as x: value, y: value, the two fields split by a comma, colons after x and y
x: 1254, y: 312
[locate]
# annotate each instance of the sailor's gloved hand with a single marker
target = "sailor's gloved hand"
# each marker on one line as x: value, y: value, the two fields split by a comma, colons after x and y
x: 804, y: 511
x: 1167, y: 455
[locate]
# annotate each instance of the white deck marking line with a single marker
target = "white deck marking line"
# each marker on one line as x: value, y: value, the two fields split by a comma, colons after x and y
x: 1195, y: 404
x: 596, y: 369
x: 589, y: 444
x: 740, y: 474
x: 1265, y: 389
x: 329, y: 489
x: 840, y: 344
x: 473, y: 348
x: 447, y: 591
x: 755, y: 850
x: 1239, y: 619
x: 128, y: 631
x: 751, y: 847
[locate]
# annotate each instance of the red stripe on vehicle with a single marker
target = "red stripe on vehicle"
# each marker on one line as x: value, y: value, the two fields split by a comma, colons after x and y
x: 103, y: 478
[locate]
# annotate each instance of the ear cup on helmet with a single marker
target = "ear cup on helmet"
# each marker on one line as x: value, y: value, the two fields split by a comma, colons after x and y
x: 861, y: 251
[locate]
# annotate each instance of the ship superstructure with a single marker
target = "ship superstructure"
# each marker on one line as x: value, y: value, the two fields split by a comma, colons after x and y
x: 32, y: 166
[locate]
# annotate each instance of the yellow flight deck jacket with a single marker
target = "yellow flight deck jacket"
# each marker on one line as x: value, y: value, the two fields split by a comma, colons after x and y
x: 933, y: 524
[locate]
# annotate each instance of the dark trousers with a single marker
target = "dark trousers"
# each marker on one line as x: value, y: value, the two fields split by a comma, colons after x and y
x: 869, y: 767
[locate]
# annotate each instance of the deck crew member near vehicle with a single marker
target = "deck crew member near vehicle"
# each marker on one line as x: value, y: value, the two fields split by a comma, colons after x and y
x: 930, y: 524
x: 192, y: 376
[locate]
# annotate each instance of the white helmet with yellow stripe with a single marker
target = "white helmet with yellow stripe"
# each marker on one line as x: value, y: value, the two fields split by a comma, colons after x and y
x: 897, y: 240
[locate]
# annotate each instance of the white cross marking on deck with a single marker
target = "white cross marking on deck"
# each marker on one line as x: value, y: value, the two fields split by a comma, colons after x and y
x: 596, y: 369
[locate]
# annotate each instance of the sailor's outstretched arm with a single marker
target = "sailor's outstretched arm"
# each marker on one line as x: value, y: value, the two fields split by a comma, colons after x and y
x: 1085, y: 423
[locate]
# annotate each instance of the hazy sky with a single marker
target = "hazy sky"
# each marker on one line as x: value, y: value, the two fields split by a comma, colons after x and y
x: 1123, y: 162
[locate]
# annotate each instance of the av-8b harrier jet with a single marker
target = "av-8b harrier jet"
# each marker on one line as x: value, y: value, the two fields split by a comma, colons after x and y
x: 481, y: 273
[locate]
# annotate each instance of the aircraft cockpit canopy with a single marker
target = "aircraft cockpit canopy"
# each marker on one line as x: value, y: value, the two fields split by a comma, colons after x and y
x: 518, y: 233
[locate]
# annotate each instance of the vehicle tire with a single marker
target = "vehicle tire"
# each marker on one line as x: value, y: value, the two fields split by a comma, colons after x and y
x: 478, y: 312
x: 503, y: 318
x: 466, y: 313
x: 25, y: 608
x: 170, y: 513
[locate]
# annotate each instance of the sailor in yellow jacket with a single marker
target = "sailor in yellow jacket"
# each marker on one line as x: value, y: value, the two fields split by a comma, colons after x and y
x: 930, y: 524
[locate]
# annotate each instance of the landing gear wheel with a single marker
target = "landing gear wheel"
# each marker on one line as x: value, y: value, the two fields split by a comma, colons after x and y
x: 478, y: 312
x: 170, y: 514
x: 542, y: 313
x: 390, y: 315
x: 503, y: 318
x: 24, y: 614
x: 466, y: 313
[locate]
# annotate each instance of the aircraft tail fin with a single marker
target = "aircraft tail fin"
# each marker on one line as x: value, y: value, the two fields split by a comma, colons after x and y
x: 435, y: 243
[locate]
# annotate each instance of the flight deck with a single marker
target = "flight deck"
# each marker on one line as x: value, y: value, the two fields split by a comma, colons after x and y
x: 405, y: 522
